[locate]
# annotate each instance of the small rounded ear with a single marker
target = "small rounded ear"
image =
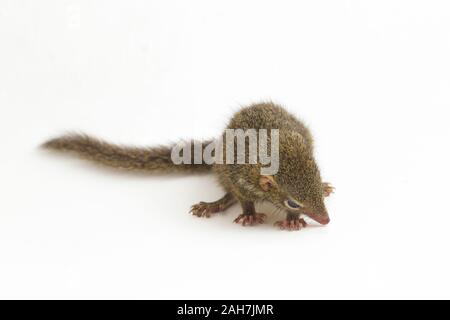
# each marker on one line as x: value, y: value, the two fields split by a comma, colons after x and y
x: 310, y: 163
x: 267, y: 182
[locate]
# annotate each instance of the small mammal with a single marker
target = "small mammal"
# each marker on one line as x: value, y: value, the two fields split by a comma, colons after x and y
x: 296, y: 188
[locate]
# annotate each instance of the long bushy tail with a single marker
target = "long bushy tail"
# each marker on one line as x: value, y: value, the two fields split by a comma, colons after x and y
x: 156, y: 159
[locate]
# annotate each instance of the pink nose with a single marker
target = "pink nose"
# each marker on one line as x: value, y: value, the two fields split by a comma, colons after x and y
x: 325, y: 220
x: 320, y: 218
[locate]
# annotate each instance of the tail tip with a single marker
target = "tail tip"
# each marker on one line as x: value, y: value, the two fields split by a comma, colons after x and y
x: 49, y: 144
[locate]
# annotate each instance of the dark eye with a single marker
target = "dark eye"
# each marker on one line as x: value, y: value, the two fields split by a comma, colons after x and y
x: 292, y: 204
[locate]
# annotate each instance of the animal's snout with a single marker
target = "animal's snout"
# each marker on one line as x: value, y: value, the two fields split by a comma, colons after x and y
x: 325, y: 220
x: 321, y: 218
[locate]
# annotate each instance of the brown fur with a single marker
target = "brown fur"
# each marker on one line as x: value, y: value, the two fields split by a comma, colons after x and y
x: 298, y: 177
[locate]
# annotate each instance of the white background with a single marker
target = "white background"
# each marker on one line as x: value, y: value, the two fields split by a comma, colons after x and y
x: 371, y: 78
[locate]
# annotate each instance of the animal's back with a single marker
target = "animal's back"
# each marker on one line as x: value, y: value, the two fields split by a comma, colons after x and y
x: 269, y: 116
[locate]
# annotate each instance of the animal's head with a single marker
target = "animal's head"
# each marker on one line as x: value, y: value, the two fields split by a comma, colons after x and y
x: 297, y: 187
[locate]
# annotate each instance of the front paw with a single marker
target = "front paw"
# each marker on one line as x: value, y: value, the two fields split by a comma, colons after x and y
x: 291, y: 224
x: 250, y: 219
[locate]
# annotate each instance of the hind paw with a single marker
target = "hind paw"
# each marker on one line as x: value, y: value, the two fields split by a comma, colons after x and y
x: 205, y: 209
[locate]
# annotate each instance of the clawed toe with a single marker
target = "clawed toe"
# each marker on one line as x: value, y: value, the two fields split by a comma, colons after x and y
x: 291, y: 225
x: 203, y: 209
x: 250, y: 219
